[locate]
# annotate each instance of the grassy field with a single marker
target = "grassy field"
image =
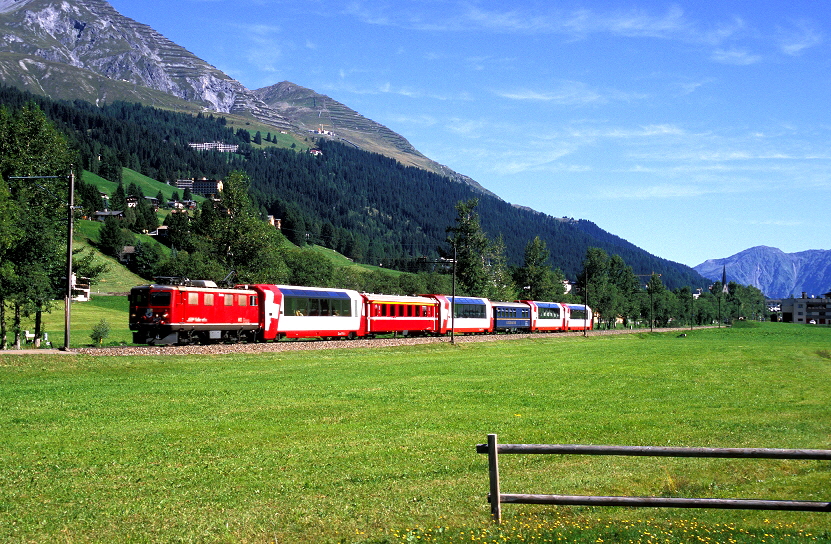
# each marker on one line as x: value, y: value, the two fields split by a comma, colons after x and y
x: 85, y: 315
x: 378, y: 445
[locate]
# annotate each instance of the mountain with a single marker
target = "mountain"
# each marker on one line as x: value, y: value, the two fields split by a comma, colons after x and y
x: 311, y: 111
x: 99, y: 42
x: 776, y: 273
x: 84, y: 49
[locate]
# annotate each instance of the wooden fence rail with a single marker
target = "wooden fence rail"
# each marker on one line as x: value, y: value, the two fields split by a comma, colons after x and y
x: 496, y: 498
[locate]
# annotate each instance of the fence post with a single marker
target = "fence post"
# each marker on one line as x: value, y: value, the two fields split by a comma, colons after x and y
x: 493, y: 473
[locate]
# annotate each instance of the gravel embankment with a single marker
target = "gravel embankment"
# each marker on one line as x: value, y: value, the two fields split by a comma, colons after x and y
x: 294, y: 345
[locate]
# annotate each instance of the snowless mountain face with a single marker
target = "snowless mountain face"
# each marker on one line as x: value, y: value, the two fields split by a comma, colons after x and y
x: 91, y: 35
x: 776, y: 273
x: 85, y: 49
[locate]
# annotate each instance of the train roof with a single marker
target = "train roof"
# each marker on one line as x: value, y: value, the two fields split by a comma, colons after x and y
x: 372, y: 297
x: 214, y: 289
x: 509, y: 304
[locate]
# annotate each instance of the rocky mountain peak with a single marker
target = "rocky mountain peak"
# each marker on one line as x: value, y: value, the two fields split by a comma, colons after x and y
x: 92, y: 35
x: 776, y: 273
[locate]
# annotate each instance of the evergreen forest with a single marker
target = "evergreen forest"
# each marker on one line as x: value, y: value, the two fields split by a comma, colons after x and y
x: 364, y: 205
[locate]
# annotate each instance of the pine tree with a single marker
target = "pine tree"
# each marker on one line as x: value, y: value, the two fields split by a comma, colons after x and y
x: 111, y: 238
x: 471, y: 247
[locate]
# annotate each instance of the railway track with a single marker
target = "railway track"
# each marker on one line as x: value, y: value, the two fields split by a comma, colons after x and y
x: 309, y: 345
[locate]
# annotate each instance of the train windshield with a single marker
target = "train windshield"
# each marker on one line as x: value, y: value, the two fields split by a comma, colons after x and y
x: 138, y: 297
x: 160, y: 298
x: 145, y: 297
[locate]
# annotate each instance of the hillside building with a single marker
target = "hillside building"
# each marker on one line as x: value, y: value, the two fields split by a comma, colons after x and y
x: 214, y: 146
x: 204, y: 186
x: 807, y: 310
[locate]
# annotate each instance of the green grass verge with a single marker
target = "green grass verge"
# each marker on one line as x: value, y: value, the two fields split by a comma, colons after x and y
x: 84, y: 316
x: 378, y: 445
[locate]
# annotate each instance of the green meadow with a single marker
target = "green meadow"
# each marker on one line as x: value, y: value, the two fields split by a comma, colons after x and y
x: 378, y: 445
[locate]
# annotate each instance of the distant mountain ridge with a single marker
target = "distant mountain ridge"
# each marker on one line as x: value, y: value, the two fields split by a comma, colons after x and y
x: 776, y: 273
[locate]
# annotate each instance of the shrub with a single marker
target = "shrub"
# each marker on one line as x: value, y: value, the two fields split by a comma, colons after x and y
x: 100, y: 331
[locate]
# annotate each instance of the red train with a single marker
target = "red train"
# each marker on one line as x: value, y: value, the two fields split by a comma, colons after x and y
x: 200, y: 312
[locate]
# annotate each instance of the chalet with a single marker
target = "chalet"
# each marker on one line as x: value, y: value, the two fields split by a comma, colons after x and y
x: 160, y: 232
x: 103, y: 215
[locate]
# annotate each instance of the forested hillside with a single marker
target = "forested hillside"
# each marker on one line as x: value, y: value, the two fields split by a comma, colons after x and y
x: 367, y: 206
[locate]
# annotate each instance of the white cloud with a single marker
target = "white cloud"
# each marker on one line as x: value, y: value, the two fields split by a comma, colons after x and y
x: 692, y: 86
x: 737, y: 57
x: 570, y: 93
x: 796, y: 40
x: 651, y: 192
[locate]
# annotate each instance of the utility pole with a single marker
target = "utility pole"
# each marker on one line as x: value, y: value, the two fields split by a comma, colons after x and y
x: 70, y: 226
x: 453, y: 301
x: 651, y: 300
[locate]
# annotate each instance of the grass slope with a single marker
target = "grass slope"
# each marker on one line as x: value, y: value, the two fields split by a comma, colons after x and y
x: 378, y: 445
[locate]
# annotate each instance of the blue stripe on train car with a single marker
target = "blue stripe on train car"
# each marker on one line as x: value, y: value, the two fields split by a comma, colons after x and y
x: 464, y: 300
x: 313, y: 293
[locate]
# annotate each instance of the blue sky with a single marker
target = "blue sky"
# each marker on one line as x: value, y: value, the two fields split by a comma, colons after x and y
x: 694, y: 130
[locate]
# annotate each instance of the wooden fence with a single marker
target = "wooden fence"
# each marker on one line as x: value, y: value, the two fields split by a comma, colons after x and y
x: 496, y: 498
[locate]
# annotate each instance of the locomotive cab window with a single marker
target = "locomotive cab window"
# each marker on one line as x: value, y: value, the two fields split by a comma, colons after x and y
x: 160, y: 299
x: 138, y: 298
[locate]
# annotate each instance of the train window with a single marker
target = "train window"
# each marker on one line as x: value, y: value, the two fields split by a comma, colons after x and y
x: 229, y: 300
x: 138, y: 297
x: 159, y: 299
x: 242, y: 300
x: 316, y: 306
x: 208, y: 299
x: 549, y: 313
x: 252, y: 300
x: 193, y: 298
x: 473, y: 311
x: 578, y: 314
x: 294, y: 306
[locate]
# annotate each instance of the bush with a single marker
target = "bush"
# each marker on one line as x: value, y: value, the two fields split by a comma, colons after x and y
x: 100, y: 331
